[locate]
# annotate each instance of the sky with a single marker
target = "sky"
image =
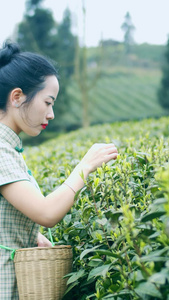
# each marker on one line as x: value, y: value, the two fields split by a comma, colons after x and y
x: 103, y: 18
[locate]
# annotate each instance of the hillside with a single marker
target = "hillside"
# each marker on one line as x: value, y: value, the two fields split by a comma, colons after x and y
x: 121, y: 93
x: 126, y: 89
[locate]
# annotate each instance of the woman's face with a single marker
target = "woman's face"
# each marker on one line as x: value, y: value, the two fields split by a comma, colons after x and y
x: 35, y: 117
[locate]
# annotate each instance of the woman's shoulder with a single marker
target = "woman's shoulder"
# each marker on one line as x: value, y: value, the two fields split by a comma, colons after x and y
x: 12, y: 165
x: 6, y: 149
x: 10, y: 157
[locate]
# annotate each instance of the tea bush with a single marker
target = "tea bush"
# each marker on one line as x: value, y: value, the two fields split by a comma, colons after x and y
x: 119, y: 224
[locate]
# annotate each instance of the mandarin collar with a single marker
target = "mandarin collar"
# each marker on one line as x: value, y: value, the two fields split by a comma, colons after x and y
x: 9, y: 136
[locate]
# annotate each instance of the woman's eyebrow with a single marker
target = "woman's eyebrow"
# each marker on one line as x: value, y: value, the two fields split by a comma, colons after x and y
x: 52, y: 98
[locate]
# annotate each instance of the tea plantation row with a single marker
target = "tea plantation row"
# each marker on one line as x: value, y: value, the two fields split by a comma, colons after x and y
x: 120, y: 94
x: 119, y: 224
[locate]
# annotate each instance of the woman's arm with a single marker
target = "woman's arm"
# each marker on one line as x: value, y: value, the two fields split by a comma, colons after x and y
x: 49, y: 210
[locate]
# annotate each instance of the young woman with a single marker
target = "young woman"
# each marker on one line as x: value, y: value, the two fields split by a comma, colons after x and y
x: 28, y: 90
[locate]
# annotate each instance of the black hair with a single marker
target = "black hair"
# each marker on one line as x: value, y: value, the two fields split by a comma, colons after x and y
x: 24, y: 70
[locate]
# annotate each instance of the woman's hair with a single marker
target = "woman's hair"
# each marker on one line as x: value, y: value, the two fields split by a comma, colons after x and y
x: 24, y: 70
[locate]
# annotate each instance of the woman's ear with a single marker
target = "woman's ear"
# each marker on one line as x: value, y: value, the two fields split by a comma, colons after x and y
x: 16, y: 97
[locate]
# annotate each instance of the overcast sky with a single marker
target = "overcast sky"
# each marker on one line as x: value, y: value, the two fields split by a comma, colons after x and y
x: 103, y: 18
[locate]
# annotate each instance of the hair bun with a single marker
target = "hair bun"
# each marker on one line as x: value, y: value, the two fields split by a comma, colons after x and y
x: 7, y: 53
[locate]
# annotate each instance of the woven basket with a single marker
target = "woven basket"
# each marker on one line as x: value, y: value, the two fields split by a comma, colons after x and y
x: 40, y: 271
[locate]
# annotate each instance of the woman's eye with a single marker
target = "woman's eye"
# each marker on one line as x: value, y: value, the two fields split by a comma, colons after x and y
x: 48, y: 103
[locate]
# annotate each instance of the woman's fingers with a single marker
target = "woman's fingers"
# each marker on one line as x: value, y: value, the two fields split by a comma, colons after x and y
x: 111, y: 150
x: 111, y: 156
x: 110, y: 153
x: 98, y: 154
x: 102, y: 153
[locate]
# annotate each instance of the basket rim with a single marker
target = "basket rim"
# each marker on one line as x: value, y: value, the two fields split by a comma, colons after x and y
x: 45, y: 248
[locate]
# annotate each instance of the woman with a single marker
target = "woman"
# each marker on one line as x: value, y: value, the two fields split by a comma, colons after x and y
x: 28, y: 90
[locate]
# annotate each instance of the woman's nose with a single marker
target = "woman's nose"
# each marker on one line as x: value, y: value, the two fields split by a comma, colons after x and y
x: 50, y: 115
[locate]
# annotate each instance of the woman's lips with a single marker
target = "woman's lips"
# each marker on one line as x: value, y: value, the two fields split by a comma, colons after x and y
x: 44, y: 126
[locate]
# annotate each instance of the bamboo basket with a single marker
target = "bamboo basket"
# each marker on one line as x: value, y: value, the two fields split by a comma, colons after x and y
x: 40, y: 271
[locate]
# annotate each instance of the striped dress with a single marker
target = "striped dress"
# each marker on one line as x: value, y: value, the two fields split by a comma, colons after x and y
x: 16, y: 230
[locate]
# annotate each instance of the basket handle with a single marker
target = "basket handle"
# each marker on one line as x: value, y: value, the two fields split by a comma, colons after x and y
x: 50, y: 236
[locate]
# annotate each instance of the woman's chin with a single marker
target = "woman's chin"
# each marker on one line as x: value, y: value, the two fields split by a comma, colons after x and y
x: 33, y: 133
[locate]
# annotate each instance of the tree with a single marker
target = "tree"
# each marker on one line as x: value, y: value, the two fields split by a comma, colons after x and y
x: 67, y: 44
x: 35, y: 32
x: 39, y: 32
x: 128, y: 29
x: 84, y: 81
x: 65, y: 55
x: 163, y: 92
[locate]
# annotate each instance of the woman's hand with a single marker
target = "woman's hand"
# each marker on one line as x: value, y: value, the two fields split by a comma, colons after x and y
x: 97, y: 155
x: 43, y: 241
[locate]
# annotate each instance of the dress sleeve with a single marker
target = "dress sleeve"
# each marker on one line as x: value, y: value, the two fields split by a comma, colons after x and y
x: 12, y: 166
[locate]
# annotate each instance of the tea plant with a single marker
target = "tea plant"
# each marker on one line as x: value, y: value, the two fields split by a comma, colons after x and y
x: 119, y: 224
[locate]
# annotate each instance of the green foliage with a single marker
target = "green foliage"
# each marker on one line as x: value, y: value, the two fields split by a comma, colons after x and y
x: 163, y: 93
x: 67, y: 44
x: 35, y: 31
x: 119, y: 224
x: 39, y: 32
